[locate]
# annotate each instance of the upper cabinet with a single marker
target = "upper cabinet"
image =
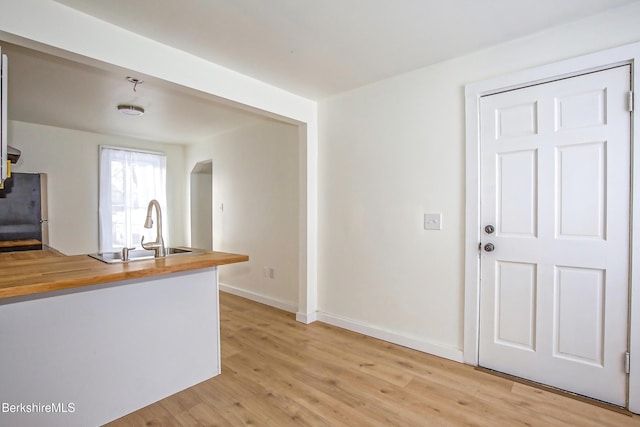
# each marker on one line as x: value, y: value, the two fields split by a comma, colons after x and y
x: 4, y: 163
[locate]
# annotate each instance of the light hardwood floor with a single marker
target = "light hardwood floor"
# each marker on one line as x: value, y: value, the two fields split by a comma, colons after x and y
x: 278, y: 372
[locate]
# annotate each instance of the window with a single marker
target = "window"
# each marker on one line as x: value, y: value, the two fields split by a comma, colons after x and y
x: 129, y: 180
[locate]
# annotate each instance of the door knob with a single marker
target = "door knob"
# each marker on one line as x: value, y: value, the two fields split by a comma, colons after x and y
x: 489, y: 229
x: 489, y: 247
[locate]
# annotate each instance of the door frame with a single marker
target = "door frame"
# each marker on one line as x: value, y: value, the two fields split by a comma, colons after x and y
x: 628, y: 54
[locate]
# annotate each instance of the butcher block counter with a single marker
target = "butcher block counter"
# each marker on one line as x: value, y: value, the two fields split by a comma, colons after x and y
x: 30, y: 272
x: 86, y: 342
x: 13, y: 244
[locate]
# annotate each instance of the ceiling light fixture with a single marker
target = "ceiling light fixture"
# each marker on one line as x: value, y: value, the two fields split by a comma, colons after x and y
x: 130, y: 110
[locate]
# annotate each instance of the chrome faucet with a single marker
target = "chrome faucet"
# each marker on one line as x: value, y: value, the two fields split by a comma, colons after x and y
x: 158, y: 245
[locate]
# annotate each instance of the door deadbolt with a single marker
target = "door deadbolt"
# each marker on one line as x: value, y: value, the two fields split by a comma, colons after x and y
x: 489, y: 247
x: 489, y: 229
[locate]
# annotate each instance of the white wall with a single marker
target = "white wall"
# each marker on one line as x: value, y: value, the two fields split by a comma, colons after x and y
x: 392, y: 151
x: 70, y: 160
x: 256, y: 179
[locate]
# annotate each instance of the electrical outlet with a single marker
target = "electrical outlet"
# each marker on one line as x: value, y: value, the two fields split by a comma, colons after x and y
x: 268, y: 272
x: 433, y: 221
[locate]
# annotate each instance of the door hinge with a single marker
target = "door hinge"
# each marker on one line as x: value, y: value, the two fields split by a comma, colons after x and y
x: 630, y: 101
x: 627, y: 363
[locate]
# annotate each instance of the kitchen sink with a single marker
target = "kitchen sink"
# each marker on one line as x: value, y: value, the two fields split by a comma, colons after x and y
x: 140, y: 254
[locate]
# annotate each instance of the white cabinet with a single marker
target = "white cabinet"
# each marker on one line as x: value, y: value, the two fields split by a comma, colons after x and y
x: 4, y: 165
x: 97, y: 353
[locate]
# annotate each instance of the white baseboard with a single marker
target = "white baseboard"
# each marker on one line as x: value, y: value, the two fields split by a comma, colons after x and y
x: 263, y: 299
x: 306, y: 318
x: 351, y: 325
x: 392, y: 337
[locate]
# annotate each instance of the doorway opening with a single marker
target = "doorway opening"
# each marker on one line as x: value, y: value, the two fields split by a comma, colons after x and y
x: 201, y: 178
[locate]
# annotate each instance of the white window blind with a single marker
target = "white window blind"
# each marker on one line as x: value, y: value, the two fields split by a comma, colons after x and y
x: 128, y: 181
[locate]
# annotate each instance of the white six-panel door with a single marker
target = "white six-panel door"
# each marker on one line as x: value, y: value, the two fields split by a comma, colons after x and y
x: 555, y: 173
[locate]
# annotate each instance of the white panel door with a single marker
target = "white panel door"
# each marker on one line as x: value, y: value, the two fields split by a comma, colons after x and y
x: 555, y: 188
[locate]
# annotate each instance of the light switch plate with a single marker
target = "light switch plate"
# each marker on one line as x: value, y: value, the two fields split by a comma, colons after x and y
x: 433, y: 221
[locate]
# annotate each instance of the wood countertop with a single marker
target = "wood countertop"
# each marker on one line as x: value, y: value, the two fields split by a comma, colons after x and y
x: 32, y: 272
x: 19, y: 243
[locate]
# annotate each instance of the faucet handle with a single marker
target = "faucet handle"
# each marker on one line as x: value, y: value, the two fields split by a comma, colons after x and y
x: 146, y: 245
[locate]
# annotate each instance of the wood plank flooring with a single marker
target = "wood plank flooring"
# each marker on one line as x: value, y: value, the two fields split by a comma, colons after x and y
x: 278, y: 372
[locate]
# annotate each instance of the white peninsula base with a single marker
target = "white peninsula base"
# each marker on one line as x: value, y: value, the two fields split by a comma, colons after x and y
x: 87, y: 356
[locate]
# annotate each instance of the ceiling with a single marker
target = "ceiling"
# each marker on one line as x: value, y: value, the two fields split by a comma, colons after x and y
x: 49, y: 90
x: 315, y: 49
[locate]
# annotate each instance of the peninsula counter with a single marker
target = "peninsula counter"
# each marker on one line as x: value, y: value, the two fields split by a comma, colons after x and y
x: 85, y: 342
